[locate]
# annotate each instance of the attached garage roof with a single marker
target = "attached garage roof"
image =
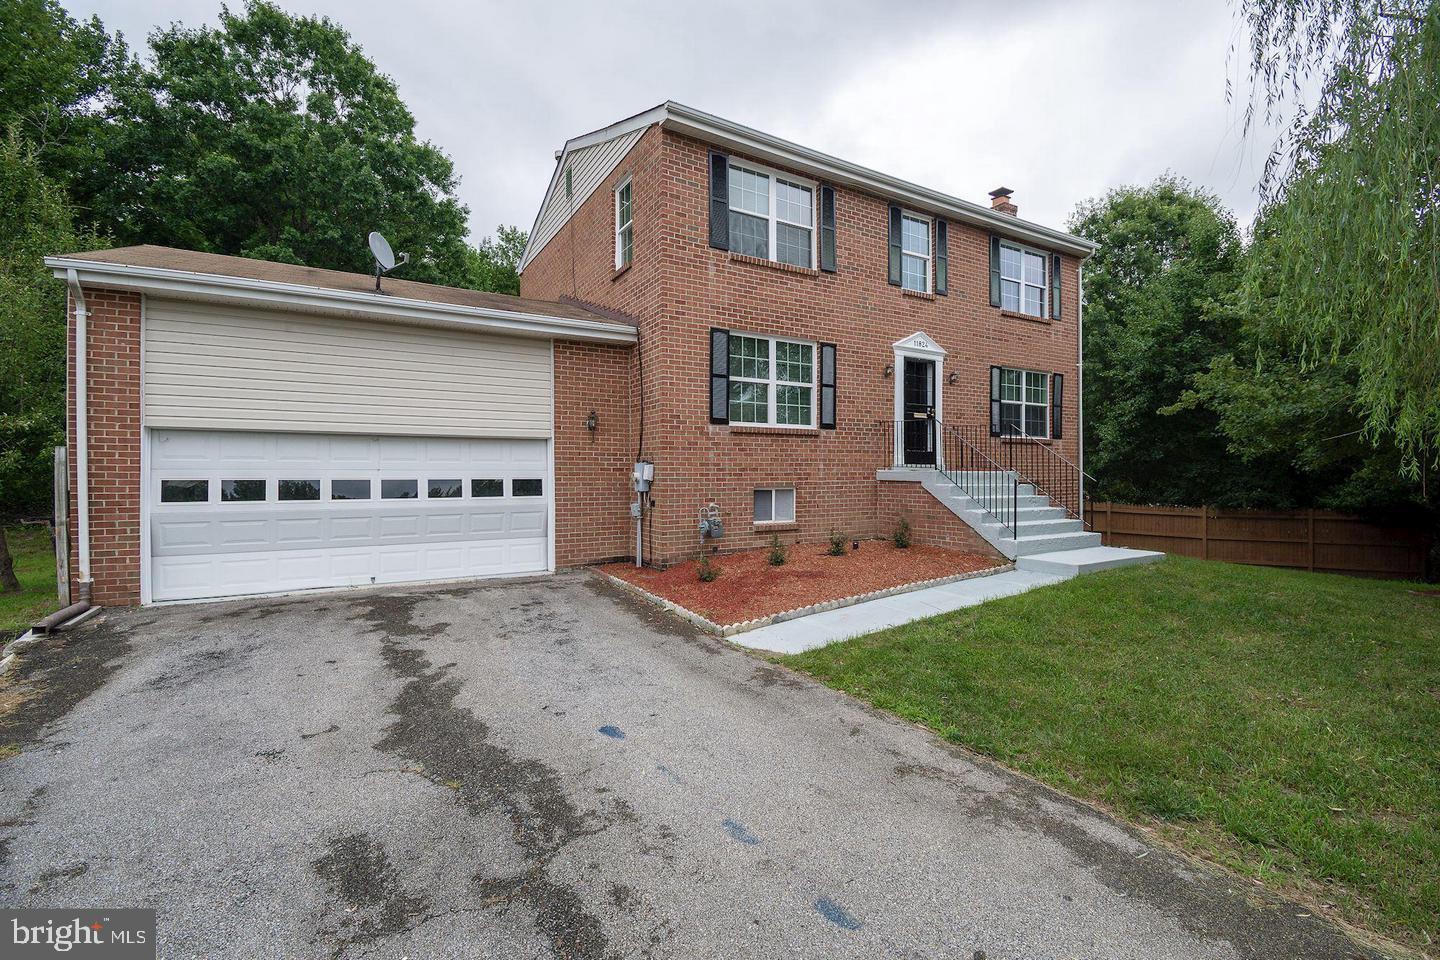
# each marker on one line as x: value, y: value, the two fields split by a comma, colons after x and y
x: 211, y: 276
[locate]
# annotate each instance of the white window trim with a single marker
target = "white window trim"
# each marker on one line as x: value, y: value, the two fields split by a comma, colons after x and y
x: 620, y: 227
x: 1049, y: 386
x: 1044, y: 280
x: 773, y: 217
x: 773, y: 382
x: 775, y: 521
x: 929, y: 260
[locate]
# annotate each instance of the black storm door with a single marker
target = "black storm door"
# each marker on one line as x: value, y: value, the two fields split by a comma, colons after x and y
x: 919, y: 413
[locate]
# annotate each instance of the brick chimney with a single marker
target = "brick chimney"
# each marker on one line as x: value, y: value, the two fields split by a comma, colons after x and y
x: 1000, y: 201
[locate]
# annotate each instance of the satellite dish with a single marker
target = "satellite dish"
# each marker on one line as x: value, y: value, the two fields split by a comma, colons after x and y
x: 385, y: 260
x: 380, y: 247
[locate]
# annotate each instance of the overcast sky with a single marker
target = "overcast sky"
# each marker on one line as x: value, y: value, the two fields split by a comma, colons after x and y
x: 1058, y: 99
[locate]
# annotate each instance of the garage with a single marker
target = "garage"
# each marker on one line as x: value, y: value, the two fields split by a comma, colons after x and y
x: 288, y: 451
x: 235, y: 513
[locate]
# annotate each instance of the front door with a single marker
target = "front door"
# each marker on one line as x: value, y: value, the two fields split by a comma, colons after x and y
x: 918, y: 394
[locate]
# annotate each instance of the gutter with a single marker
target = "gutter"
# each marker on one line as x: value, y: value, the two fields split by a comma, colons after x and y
x: 186, y: 284
x: 82, y: 433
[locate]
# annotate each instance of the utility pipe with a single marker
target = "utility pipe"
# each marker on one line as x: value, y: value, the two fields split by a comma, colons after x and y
x: 60, y: 617
x: 82, y: 432
x: 1080, y: 392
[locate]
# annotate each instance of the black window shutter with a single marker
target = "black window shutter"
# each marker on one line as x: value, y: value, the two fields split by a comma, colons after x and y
x: 942, y: 257
x: 994, y: 270
x: 994, y: 401
x: 827, y: 386
x: 895, y: 246
x: 719, y: 201
x: 1054, y: 286
x: 827, y: 228
x: 719, y: 375
x: 1057, y: 405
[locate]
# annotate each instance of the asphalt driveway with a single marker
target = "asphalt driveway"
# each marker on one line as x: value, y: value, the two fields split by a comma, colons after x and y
x: 551, y: 768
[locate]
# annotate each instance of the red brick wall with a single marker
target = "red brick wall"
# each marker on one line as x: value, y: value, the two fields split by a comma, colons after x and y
x: 592, y: 469
x: 113, y: 345
x: 930, y: 521
x: 689, y: 288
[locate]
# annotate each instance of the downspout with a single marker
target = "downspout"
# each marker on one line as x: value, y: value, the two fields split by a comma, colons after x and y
x: 82, y: 434
x: 1080, y: 393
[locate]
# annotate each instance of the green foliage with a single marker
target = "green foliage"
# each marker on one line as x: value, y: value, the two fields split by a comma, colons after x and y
x: 55, y: 74
x: 495, y: 264
x: 38, y: 222
x: 273, y: 136
x: 1354, y: 201
x: 837, y: 544
x: 707, y: 572
x: 1167, y: 250
x: 902, y: 534
x: 778, y: 552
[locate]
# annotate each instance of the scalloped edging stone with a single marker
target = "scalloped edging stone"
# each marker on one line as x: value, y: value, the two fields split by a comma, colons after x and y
x: 730, y: 629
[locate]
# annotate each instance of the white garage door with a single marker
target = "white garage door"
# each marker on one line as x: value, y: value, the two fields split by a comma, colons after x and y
x: 234, y: 513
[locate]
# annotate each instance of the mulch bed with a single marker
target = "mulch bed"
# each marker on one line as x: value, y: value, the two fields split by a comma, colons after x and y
x: 749, y: 588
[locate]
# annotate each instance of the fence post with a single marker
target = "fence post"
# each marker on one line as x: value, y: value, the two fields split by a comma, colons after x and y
x: 1205, y: 532
x: 1109, y: 523
x: 1310, y: 538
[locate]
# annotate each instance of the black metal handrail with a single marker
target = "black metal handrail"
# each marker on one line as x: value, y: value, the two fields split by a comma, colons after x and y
x: 928, y: 443
x: 1034, y: 462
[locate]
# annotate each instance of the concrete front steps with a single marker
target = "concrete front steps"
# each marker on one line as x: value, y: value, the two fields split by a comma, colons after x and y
x: 1045, y: 539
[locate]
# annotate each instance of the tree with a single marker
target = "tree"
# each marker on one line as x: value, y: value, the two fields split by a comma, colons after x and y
x: 55, y: 79
x: 495, y: 264
x: 1167, y: 250
x: 38, y: 222
x: 273, y: 136
x: 1352, y: 195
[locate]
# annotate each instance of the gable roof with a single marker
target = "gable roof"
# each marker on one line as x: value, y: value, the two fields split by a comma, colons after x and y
x: 191, y: 274
x: 766, y: 147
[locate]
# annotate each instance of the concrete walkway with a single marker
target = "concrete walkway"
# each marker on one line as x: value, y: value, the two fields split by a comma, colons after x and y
x: 819, y: 629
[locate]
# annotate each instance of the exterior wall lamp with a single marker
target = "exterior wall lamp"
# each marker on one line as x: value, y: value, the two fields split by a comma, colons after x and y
x: 889, y: 370
x: 953, y: 379
x: 592, y: 422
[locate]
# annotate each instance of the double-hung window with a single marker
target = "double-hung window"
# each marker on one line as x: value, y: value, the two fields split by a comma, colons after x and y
x: 772, y: 216
x: 624, y: 226
x: 1024, y: 403
x: 1022, y: 280
x: 772, y: 381
x: 915, y: 252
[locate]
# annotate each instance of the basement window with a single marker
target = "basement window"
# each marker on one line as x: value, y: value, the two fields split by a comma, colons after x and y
x: 775, y: 505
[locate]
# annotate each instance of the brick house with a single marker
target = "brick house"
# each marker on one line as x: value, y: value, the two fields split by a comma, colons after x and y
x: 808, y: 345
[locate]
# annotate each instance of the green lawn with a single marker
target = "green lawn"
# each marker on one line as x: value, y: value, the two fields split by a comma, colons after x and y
x: 1285, y: 724
x: 35, y: 568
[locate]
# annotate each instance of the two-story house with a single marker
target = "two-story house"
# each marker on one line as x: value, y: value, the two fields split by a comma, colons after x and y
x: 805, y: 344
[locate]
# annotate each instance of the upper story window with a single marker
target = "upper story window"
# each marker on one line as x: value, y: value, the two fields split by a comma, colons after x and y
x: 1022, y: 280
x: 772, y: 381
x: 772, y: 216
x: 915, y: 252
x: 624, y: 226
x: 1024, y: 403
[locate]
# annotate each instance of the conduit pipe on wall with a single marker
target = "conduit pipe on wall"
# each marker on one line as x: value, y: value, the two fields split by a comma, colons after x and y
x: 1080, y: 393
x: 82, y: 433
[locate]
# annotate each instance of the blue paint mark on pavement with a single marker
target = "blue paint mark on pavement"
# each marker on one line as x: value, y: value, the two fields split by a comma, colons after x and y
x: 614, y: 733
x: 738, y: 832
x: 836, y: 914
x: 670, y: 774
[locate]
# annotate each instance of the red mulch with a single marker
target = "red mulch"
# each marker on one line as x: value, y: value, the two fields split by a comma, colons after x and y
x: 748, y: 587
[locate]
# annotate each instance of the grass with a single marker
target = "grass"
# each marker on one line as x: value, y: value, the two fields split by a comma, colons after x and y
x: 1284, y: 724
x: 35, y: 568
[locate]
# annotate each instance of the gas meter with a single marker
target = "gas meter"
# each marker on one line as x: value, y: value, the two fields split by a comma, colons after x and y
x: 711, y: 528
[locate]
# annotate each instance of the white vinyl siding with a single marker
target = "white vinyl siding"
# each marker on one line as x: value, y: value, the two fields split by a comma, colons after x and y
x: 588, y: 169
x: 209, y: 366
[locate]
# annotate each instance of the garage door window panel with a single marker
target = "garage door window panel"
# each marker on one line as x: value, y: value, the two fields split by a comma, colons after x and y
x: 399, y: 489
x: 242, y: 491
x: 444, y: 489
x: 184, y: 491
x: 487, y: 488
x: 527, y: 487
x: 299, y: 489
x: 349, y: 489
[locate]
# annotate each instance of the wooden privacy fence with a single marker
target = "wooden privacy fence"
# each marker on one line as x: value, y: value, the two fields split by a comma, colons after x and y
x: 1304, y: 539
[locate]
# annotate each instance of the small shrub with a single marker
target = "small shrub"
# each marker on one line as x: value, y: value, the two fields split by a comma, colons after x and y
x: 777, y: 551
x: 707, y: 571
x: 837, y: 544
x: 902, y: 534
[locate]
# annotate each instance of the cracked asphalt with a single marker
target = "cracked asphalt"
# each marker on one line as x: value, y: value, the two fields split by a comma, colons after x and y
x: 550, y: 768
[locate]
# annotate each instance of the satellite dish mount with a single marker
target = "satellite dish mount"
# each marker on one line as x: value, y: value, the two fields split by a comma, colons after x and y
x: 385, y: 260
